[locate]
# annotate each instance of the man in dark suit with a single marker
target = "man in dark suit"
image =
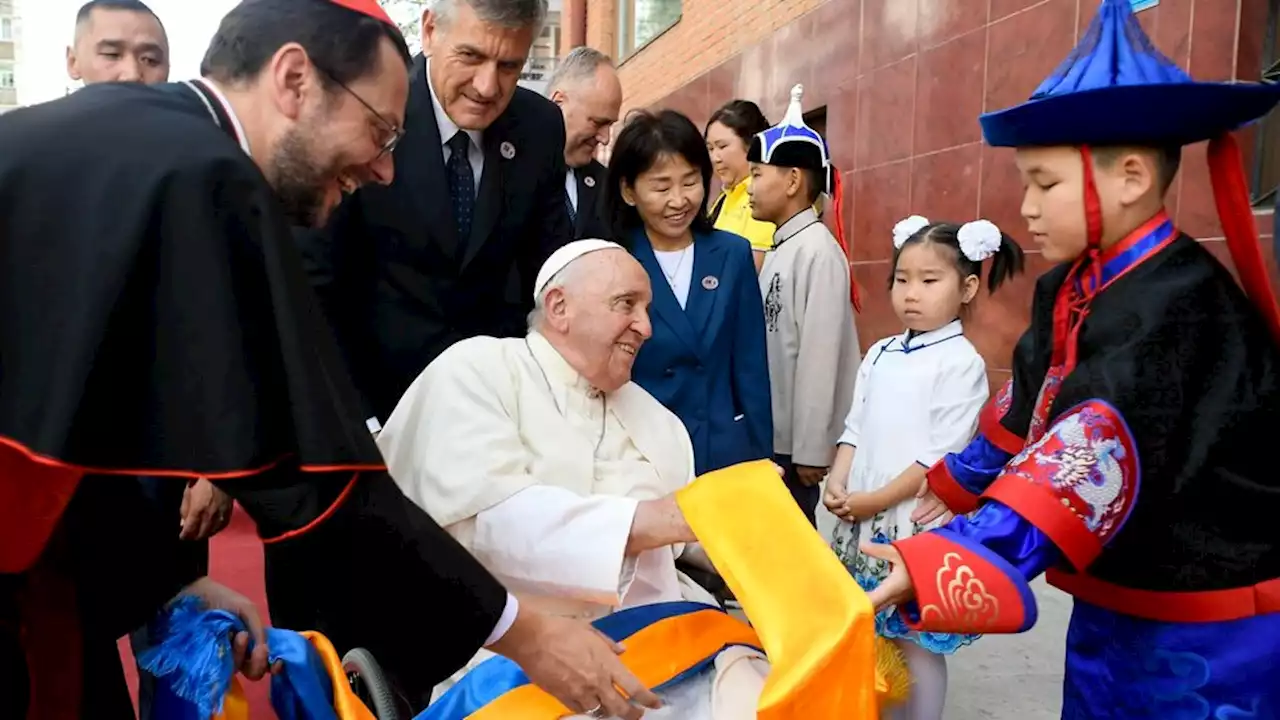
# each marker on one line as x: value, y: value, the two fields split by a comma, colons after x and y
x: 587, y: 89
x: 451, y: 248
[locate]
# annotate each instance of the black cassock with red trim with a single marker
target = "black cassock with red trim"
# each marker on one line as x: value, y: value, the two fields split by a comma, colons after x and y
x: 155, y: 320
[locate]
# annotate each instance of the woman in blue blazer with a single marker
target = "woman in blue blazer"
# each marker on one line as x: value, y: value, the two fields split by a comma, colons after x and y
x: 706, y: 361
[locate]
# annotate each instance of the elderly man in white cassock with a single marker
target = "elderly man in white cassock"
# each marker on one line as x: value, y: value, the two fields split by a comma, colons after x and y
x: 557, y: 472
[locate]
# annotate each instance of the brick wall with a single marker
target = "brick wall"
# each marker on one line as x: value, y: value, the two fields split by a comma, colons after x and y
x: 708, y: 33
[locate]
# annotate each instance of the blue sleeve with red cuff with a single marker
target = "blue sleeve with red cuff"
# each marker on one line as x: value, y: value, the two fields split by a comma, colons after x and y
x: 1062, y: 498
x: 959, y: 479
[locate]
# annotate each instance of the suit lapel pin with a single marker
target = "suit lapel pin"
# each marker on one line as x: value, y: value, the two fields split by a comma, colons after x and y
x: 508, y: 150
x: 710, y: 282
x: 589, y: 181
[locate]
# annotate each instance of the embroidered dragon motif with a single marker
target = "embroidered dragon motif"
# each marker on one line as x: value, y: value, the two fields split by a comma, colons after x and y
x: 1090, y: 461
x: 773, y: 303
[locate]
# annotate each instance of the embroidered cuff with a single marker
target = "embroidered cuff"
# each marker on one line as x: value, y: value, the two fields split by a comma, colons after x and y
x: 962, y: 587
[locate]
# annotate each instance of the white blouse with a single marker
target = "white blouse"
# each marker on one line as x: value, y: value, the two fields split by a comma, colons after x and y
x: 917, y: 398
x: 677, y: 267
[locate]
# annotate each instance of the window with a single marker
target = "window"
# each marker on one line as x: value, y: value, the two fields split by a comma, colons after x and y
x: 6, y: 28
x: 640, y: 21
x: 548, y: 43
x: 817, y: 120
x: 7, y: 79
x: 1266, y: 167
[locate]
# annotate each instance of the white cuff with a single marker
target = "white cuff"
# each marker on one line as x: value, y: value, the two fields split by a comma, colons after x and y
x: 546, y: 540
x: 505, y: 621
x: 626, y: 579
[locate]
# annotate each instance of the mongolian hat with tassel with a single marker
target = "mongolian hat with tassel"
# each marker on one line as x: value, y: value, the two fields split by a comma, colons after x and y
x: 1116, y: 89
x: 793, y: 144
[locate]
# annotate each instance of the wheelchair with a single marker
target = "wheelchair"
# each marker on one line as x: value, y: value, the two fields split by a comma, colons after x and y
x: 371, y: 686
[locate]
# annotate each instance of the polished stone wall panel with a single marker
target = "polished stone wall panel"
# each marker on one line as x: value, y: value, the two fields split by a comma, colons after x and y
x: 903, y: 82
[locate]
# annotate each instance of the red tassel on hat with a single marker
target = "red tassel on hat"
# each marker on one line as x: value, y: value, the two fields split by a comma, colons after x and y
x: 837, y: 218
x: 1231, y: 194
x: 366, y: 7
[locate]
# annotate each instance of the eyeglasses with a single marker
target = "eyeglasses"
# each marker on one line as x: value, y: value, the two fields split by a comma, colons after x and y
x: 393, y: 133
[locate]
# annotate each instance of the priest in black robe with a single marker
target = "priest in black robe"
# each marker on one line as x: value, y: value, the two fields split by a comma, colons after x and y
x: 155, y: 320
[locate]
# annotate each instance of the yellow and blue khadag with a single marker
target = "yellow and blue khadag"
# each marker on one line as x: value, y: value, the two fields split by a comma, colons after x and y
x: 807, y: 613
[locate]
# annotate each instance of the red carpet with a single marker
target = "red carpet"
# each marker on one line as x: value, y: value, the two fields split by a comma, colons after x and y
x: 235, y: 561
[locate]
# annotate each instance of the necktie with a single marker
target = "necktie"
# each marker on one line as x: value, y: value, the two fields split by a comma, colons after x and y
x: 462, y: 184
x: 573, y: 214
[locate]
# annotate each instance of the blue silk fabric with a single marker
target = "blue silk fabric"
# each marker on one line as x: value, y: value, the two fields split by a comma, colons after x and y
x: 977, y: 466
x: 192, y: 662
x: 1119, y: 666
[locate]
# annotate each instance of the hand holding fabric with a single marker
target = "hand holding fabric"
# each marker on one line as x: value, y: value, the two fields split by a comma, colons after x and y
x: 658, y: 523
x: 576, y: 664
x: 215, y: 596
x: 895, y: 589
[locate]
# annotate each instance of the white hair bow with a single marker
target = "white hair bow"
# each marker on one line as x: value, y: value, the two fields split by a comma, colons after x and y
x: 979, y: 239
x: 906, y: 228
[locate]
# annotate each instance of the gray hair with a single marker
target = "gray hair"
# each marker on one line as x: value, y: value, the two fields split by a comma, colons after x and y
x: 581, y: 63
x: 503, y: 13
x: 560, y: 280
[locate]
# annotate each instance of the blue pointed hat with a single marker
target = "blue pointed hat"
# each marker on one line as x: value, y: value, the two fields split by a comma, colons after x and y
x: 1116, y: 89
x: 792, y: 143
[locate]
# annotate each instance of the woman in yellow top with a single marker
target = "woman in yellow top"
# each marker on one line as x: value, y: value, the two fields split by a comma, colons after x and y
x: 728, y: 134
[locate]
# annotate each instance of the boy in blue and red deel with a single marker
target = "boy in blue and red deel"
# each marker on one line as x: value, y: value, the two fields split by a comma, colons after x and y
x: 1130, y: 456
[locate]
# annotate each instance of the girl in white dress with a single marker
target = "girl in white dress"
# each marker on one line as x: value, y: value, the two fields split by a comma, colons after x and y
x: 917, y: 398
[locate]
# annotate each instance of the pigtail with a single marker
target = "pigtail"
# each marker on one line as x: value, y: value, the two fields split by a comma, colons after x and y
x: 1007, y: 261
x: 981, y: 240
x: 974, y: 242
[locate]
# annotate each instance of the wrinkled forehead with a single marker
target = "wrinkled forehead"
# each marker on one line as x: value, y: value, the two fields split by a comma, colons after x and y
x: 465, y: 31
x: 123, y: 27
x: 610, y: 273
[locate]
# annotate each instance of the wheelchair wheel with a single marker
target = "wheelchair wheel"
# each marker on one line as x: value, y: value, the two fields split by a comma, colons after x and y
x: 370, y: 684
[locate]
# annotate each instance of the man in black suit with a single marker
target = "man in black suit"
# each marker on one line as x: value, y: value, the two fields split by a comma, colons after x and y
x: 451, y: 248
x: 586, y: 88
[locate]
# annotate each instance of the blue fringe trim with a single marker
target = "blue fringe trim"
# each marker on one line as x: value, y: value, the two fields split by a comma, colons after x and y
x: 194, y: 658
